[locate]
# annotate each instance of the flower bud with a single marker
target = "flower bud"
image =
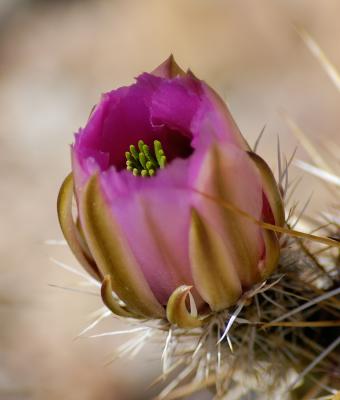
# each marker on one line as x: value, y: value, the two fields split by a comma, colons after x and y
x: 152, y: 173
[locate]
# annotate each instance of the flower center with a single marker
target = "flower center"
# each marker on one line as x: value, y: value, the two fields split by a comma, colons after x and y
x: 142, y: 161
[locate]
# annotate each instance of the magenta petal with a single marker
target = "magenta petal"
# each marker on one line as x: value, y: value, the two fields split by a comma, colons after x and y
x: 120, y: 119
x: 126, y: 115
x: 175, y: 103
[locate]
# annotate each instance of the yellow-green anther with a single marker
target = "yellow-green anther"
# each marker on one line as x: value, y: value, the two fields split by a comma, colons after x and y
x: 142, y: 160
x: 149, y: 165
x: 159, y: 152
x: 140, y: 145
x: 134, y: 152
x: 162, y: 162
x: 145, y: 162
x: 149, y: 156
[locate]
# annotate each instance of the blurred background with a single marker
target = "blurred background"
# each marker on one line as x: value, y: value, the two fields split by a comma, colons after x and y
x: 56, y: 58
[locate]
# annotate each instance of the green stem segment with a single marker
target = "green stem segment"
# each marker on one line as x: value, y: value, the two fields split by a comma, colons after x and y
x: 141, y: 161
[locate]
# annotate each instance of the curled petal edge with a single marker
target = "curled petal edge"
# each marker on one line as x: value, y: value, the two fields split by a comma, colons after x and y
x: 112, y: 254
x: 71, y: 231
x: 270, y: 188
x: 177, y: 312
x: 112, y: 302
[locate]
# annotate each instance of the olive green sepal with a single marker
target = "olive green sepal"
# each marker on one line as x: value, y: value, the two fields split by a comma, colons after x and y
x: 169, y: 69
x: 272, y: 256
x: 270, y: 189
x: 177, y: 312
x: 239, y: 251
x: 215, y: 275
x: 112, y: 302
x: 112, y: 254
x: 70, y: 230
x: 274, y: 197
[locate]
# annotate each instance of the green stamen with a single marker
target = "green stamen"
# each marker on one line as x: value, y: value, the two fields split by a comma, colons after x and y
x: 142, y: 160
x: 145, y: 162
x: 134, y: 152
x: 159, y: 152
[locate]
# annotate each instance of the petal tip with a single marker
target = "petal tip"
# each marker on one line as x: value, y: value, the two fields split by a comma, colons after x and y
x: 168, y: 69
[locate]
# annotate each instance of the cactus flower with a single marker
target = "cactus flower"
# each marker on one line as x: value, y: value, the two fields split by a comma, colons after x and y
x: 144, y: 228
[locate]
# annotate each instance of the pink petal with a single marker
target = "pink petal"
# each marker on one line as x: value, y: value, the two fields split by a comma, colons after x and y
x: 215, y: 119
x: 154, y: 215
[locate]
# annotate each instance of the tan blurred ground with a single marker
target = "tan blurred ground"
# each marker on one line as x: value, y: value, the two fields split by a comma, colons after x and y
x: 56, y: 57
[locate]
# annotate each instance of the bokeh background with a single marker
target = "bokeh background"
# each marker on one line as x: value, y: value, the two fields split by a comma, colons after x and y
x: 56, y: 58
